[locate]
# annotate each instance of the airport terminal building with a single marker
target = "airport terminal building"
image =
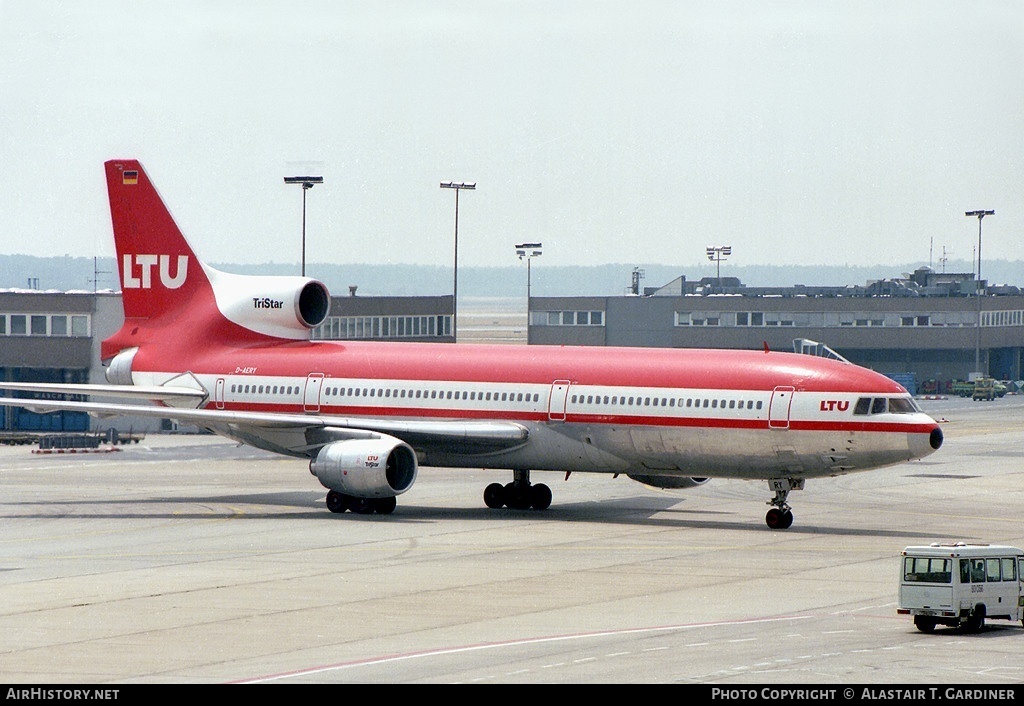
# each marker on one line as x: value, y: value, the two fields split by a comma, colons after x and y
x: 388, y: 319
x: 931, y: 325
x: 53, y: 337
x: 929, y: 328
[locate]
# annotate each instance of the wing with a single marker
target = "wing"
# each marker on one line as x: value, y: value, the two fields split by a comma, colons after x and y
x: 170, y: 394
x: 282, y: 432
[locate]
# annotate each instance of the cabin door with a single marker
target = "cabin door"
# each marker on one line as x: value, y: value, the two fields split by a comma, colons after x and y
x: 778, y: 408
x: 311, y: 395
x: 557, y: 399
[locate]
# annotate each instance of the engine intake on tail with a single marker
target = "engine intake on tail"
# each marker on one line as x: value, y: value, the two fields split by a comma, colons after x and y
x: 366, y: 468
x: 282, y: 306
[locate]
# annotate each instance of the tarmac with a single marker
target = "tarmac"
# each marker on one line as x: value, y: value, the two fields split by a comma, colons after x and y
x: 191, y: 560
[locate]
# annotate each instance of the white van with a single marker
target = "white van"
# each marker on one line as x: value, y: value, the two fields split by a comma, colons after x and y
x: 960, y: 585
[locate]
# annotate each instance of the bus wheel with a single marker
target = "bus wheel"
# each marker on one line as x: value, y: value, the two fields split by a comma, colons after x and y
x: 924, y: 623
x: 976, y: 620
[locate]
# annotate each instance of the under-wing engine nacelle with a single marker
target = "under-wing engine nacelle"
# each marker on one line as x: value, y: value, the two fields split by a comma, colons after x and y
x: 669, y: 482
x: 283, y: 306
x: 366, y: 468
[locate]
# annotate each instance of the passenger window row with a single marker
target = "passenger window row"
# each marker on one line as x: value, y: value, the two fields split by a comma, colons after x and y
x: 265, y: 389
x: 681, y: 402
x: 390, y: 392
x: 416, y: 393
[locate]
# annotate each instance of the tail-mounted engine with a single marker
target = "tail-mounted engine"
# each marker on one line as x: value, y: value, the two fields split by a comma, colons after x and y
x: 366, y: 468
x: 119, y: 371
x: 281, y: 306
x: 669, y: 482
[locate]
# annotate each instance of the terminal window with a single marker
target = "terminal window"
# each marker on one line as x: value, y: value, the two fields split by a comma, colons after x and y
x: 568, y: 318
x: 54, y: 325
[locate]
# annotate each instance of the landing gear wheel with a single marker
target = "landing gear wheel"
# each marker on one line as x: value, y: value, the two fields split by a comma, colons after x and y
x: 779, y: 519
x: 540, y: 497
x: 924, y: 623
x: 520, y: 494
x: 385, y: 506
x: 337, y: 502
x: 363, y: 506
x: 780, y: 516
x: 494, y: 496
x: 517, y: 497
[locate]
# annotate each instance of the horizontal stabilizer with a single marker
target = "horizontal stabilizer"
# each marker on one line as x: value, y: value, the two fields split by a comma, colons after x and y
x: 157, y: 393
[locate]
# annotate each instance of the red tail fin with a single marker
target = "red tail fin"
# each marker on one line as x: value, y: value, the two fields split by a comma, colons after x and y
x: 170, y: 297
x: 159, y: 271
x: 160, y: 274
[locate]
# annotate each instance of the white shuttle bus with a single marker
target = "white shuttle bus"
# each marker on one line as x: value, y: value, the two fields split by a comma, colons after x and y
x: 960, y: 585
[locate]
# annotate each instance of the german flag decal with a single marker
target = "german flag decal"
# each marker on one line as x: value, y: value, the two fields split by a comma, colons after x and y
x: 130, y: 177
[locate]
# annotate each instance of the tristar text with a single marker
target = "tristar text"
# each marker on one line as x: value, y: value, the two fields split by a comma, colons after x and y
x: 266, y: 303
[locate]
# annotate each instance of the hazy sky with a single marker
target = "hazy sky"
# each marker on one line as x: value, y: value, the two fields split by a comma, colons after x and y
x: 806, y: 131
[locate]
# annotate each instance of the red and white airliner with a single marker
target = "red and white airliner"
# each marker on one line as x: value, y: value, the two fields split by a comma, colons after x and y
x: 233, y: 354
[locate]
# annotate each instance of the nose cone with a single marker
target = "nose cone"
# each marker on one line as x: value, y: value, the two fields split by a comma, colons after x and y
x: 925, y: 442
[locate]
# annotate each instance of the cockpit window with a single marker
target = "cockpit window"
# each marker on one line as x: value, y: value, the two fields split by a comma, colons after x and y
x: 881, y: 405
x: 902, y: 405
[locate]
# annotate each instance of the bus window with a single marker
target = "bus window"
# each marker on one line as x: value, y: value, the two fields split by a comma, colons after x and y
x: 977, y: 571
x: 965, y: 571
x: 992, y: 569
x: 1009, y: 570
x: 929, y: 569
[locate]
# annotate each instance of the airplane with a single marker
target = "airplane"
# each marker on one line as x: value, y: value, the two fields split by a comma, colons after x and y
x: 234, y: 354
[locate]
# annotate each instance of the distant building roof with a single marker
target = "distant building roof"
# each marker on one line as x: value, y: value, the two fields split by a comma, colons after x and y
x: 923, y: 282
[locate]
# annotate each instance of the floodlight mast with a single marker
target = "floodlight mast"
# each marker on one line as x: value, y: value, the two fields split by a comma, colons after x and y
x: 978, y: 289
x: 457, y: 186
x: 716, y: 254
x: 528, y: 251
x: 307, y: 183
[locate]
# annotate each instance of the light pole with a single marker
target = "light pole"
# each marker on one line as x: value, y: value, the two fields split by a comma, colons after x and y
x: 458, y: 186
x: 717, y: 254
x: 528, y: 251
x: 307, y: 184
x: 978, y: 289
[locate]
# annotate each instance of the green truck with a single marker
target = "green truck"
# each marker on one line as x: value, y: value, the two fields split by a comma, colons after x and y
x: 980, y: 389
x: 963, y: 388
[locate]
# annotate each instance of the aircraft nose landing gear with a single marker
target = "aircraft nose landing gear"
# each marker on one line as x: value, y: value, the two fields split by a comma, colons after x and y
x: 781, y: 516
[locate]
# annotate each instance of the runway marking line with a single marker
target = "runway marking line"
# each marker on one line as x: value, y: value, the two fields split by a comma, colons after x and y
x: 509, y: 643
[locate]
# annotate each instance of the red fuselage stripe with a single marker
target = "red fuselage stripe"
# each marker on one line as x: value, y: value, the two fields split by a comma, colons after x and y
x: 599, y: 419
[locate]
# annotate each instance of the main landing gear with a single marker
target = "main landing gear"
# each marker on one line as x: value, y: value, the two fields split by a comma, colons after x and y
x: 781, y: 516
x: 340, y: 502
x: 520, y: 494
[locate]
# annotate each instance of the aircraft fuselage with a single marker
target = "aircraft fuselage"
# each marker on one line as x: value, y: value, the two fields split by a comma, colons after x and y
x: 743, y: 414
